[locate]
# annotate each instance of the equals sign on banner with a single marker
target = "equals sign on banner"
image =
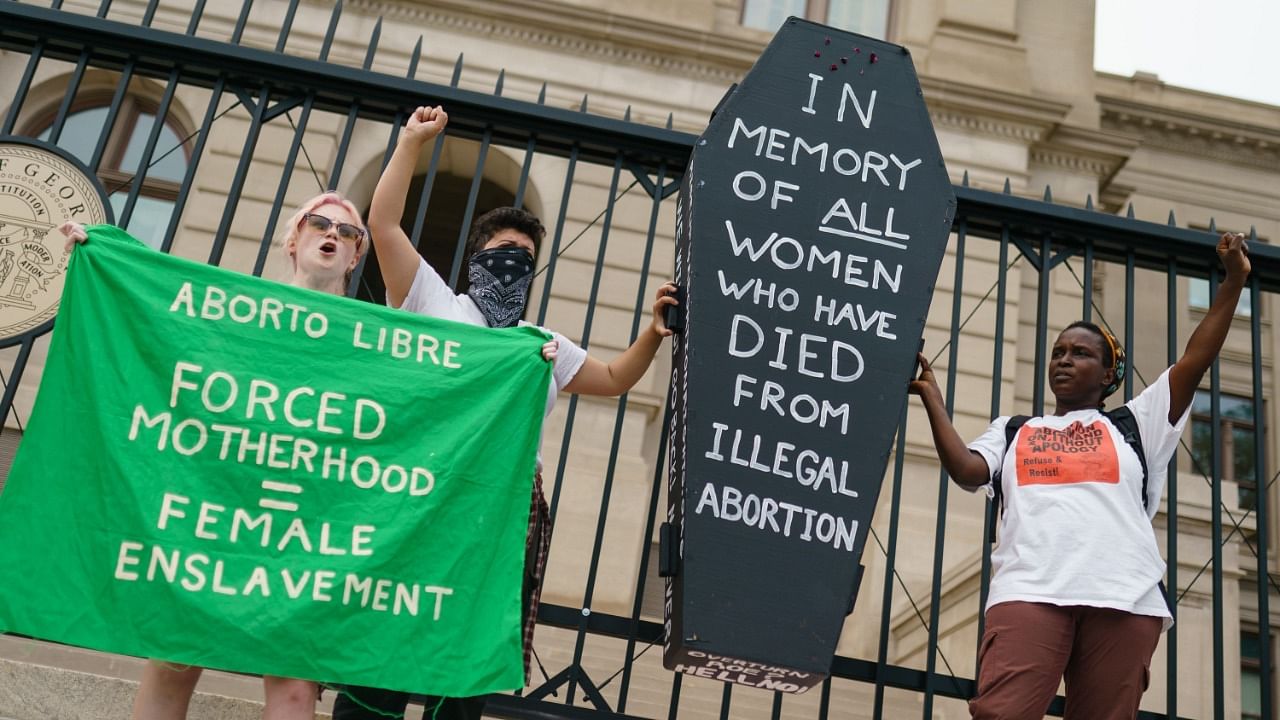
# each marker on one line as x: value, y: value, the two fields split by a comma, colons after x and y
x: 278, y: 487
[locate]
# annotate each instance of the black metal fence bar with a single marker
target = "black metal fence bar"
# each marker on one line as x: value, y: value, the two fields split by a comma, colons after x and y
x: 257, y: 109
x: 1261, y: 486
x: 1171, y: 515
x: 73, y: 87
x: 113, y: 110
x: 1215, y: 508
x: 1045, y: 268
x: 468, y: 213
x: 148, y: 151
x: 824, y: 700
x: 674, y: 707
x: 1129, y: 268
x: 655, y: 207
x: 550, y: 269
x: 282, y: 188
x: 991, y: 514
x: 1086, y: 313
x: 642, y: 574
x: 193, y: 164
x: 891, y: 556
x: 944, y: 480
x: 588, y: 592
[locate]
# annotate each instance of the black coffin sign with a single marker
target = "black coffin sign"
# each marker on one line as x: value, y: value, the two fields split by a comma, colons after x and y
x: 812, y: 222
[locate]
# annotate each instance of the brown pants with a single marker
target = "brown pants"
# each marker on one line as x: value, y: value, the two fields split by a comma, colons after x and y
x: 1105, y: 656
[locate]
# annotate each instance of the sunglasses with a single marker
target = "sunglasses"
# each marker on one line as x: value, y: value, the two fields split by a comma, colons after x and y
x: 346, y: 231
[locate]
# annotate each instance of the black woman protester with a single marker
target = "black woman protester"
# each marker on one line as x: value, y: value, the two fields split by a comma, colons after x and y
x: 1075, y: 588
x: 502, y: 245
x: 324, y: 240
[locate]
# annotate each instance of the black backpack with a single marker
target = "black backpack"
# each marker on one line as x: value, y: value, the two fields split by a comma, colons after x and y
x: 1121, y: 417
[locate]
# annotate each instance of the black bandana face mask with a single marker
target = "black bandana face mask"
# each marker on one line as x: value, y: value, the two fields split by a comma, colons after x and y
x: 500, y: 279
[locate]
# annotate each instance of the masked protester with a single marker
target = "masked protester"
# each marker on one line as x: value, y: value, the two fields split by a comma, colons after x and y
x: 1075, y: 587
x: 324, y: 241
x: 502, y: 245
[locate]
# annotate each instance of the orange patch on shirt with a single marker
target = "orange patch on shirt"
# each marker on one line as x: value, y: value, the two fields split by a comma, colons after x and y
x: 1077, y: 454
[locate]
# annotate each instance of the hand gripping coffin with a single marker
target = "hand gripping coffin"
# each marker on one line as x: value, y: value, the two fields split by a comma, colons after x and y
x: 812, y: 222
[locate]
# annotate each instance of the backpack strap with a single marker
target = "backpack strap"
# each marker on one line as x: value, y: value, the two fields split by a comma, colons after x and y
x: 1122, y: 417
x: 997, y: 483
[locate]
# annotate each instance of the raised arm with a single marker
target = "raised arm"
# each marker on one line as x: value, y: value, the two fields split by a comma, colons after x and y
x: 1206, y: 341
x: 396, y: 255
x: 965, y: 466
x: 597, y: 378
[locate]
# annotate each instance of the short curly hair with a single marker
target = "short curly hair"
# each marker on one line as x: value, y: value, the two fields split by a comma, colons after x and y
x: 504, y: 218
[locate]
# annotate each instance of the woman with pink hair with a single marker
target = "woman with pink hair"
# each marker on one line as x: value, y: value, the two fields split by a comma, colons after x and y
x: 324, y: 240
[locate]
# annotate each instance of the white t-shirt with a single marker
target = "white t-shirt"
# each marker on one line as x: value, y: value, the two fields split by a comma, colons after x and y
x: 1073, y: 530
x: 431, y: 295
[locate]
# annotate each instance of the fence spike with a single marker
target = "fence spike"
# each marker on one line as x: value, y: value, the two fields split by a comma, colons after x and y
x: 1048, y: 194
x: 1253, y: 233
x: 583, y: 107
x: 1173, y: 222
x: 374, y: 37
x: 542, y: 94
x: 329, y: 33
x: 1007, y: 189
x: 964, y: 182
x: 627, y: 114
x: 670, y: 120
x: 1088, y: 201
x: 502, y: 75
x: 414, y: 58
x: 1130, y: 214
x: 1213, y: 226
x: 457, y: 72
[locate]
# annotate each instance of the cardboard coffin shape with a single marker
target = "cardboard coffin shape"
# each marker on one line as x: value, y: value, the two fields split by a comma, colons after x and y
x: 812, y: 222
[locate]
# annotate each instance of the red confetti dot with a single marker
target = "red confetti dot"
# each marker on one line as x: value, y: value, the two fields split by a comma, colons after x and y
x: 834, y: 66
x: 858, y: 50
x: 873, y: 57
x: 826, y: 41
x: 817, y: 53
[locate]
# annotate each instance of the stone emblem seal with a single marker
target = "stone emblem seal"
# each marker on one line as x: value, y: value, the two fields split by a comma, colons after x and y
x: 40, y: 188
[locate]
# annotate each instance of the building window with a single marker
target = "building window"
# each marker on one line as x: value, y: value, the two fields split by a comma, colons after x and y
x: 1198, y: 296
x: 1250, y: 676
x: 123, y: 155
x: 868, y: 17
x: 1236, y: 442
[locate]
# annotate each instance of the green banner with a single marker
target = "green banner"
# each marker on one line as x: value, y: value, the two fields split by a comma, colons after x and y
x: 233, y: 473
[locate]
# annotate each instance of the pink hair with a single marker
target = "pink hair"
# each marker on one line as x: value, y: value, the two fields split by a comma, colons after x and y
x: 317, y: 202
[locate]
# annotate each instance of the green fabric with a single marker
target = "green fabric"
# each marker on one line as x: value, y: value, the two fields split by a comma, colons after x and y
x: 116, y: 536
